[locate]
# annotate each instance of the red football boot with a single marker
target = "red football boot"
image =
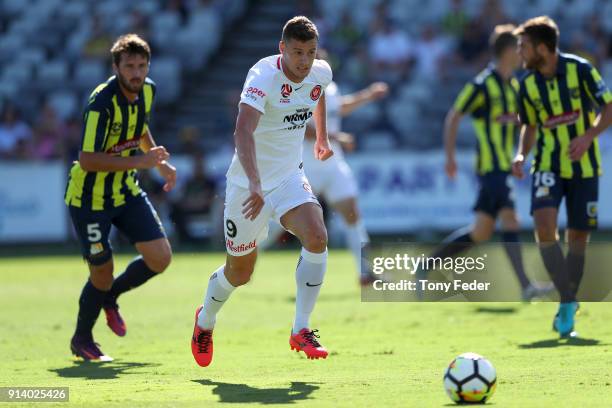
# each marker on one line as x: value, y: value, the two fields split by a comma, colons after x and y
x: 87, y: 349
x: 114, y: 320
x: 201, y: 343
x: 306, y: 341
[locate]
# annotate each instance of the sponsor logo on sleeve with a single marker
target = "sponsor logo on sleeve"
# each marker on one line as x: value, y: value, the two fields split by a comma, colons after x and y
x: 254, y: 93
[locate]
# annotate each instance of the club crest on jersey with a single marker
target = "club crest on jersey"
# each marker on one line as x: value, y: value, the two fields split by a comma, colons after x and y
x: 574, y: 93
x: 315, y: 93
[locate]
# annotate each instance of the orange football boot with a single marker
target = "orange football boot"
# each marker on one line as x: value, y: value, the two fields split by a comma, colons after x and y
x: 306, y: 341
x: 201, y: 343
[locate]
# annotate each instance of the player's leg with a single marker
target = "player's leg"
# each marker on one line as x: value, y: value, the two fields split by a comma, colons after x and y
x: 510, y: 234
x: 577, y: 242
x: 241, y: 236
x: 341, y: 190
x: 306, y: 223
x: 356, y: 234
x: 139, y: 221
x: 92, y: 228
x: 547, y: 192
x: 464, y: 238
x: 581, y: 204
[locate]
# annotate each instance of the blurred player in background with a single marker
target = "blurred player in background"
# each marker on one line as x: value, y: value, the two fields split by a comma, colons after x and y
x: 557, y: 101
x: 490, y: 99
x: 103, y: 191
x: 266, y: 181
x: 333, y: 179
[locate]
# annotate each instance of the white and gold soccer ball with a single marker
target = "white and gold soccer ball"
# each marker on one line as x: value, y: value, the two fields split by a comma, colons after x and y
x: 470, y: 378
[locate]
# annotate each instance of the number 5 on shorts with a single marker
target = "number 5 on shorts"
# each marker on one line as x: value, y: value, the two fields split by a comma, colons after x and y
x: 93, y: 232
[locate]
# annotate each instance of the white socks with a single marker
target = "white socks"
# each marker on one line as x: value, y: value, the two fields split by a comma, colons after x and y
x: 309, y: 278
x: 219, y: 290
x: 356, y: 236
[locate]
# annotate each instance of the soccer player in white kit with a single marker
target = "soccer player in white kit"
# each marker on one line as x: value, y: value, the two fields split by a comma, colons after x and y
x: 266, y: 181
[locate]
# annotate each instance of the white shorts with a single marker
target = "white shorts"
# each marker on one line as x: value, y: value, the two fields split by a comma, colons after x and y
x: 334, y: 181
x: 242, y: 235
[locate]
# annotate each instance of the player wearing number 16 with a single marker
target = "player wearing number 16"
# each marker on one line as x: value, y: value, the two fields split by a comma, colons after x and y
x: 103, y: 191
x: 557, y: 99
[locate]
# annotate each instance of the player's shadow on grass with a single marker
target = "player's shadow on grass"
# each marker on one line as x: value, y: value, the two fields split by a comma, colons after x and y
x: 571, y: 342
x: 496, y: 310
x: 236, y: 393
x: 99, y: 370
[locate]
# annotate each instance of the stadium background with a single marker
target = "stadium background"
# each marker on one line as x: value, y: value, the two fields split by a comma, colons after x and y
x: 53, y: 52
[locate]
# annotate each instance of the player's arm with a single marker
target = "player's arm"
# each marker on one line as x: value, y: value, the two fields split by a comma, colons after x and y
x: 93, y: 159
x: 526, y: 142
x: 599, y: 93
x: 469, y: 100
x: 166, y: 170
x: 322, y: 150
x: 374, y: 92
x: 248, y: 118
x: 345, y: 139
x: 581, y: 144
x: 451, y: 124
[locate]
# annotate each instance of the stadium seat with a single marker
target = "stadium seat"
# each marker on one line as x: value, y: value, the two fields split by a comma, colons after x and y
x: 166, y: 72
x: 20, y: 74
x: 163, y: 27
x: 64, y: 103
x: 12, y: 8
x: 10, y: 45
x: 89, y: 73
x: 52, y: 75
x: 377, y: 141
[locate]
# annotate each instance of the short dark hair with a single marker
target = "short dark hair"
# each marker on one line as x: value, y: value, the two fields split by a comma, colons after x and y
x: 130, y: 44
x: 501, y: 38
x: 300, y: 28
x: 540, y: 30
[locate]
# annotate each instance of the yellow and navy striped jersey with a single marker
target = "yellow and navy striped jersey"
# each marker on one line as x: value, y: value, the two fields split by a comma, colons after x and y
x: 492, y: 103
x: 112, y: 125
x: 563, y: 108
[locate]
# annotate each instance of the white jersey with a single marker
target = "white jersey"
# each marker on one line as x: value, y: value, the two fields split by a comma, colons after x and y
x: 286, y: 106
x: 333, y: 103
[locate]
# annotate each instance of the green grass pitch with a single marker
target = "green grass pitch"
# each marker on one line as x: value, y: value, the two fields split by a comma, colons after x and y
x: 382, y: 354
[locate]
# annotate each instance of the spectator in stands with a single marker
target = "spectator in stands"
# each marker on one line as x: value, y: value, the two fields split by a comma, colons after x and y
x: 346, y: 37
x: 391, y: 52
x: 197, y: 197
x: 492, y: 14
x: 472, y: 47
x: 15, y: 134
x: 454, y: 21
x: 49, y: 134
x: 430, y: 50
x: 72, y: 139
x: 99, y: 41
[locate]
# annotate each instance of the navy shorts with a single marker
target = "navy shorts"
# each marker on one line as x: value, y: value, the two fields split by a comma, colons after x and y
x: 137, y: 219
x: 581, y: 194
x: 494, y: 193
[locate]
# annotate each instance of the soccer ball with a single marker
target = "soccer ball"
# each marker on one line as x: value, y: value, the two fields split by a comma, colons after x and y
x: 470, y: 378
